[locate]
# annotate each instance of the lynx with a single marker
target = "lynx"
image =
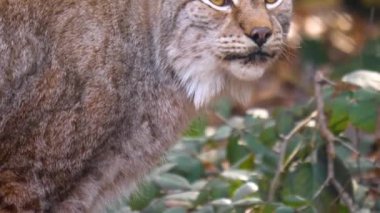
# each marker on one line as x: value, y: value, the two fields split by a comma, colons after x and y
x: 93, y: 92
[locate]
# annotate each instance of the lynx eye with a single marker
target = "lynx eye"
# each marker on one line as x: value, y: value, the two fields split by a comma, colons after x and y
x: 272, y: 4
x: 218, y: 2
x: 222, y: 5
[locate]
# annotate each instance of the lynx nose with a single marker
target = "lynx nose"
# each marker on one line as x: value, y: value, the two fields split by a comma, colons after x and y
x: 260, y: 35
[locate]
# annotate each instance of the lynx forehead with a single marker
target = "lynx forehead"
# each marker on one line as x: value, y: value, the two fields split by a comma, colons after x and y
x: 221, y: 46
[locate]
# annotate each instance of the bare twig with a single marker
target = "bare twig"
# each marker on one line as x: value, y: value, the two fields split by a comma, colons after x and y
x: 284, y: 145
x: 357, y: 142
x: 223, y: 119
x: 348, y: 146
x: 330, y: 138
x: 323, y: 79
x: 320, y: 190
x: 346, y: 198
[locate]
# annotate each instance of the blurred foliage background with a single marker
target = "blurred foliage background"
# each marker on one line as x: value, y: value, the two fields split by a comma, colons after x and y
x: 277, y: 154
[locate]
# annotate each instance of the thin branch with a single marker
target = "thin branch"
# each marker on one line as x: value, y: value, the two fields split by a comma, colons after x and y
x: 284, y: 146
x: 330, y: 138
x: 348, y: 146
x: 357, y: 142
x: 323, y: 79
x: 320, y: 190
x: 300, y: 125
x: 346, y: 198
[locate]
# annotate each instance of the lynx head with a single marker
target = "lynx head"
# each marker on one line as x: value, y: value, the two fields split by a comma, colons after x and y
x: 221, y: 46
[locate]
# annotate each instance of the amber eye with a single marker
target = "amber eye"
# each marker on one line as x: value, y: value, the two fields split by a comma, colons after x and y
x: 219, y: 2
x: 272, y: 4
x: 271, y: 1
x: 221, y: 5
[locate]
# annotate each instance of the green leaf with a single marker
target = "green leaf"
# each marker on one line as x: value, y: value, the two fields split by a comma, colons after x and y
x: 185, y: 196
x: 247, y: 163
x: 364, y: 116
x: 197, y: 127
x: 284, y: 209
x: 328, y: 199
x: 299, y: 183
x: 342, y: 175
x: 223, y: 107
x: 295, y: 201
x: 256, y: 147
x: 339, y: 113
x: 157, y: 205
x: 145, y: 194
x: 247, y: 202
x: 265, y: 159
x: 269, y: 136
x: 222, y: 205
x: 364, y: 113
x: 297, y: 148
x: 221, y: 202
x: 188, y: 146
x: 284, y: 122
x: 175, y: 210
x: 215, y: 189
x: 205, y: 209
x: 235, y: 150
x: 236, y: 175
x: 222, y: 133
x: 187, y: 166
x: 377, y: 205
x: 245, y: 190
x: 362, y: 165
x: 171, y: 182
x: 163, y: 168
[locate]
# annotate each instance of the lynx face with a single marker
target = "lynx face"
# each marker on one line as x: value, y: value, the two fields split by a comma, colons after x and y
x: 220, y: 46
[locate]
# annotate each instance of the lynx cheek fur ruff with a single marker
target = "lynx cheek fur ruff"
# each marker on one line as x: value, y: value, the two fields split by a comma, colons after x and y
x: 93, y: 92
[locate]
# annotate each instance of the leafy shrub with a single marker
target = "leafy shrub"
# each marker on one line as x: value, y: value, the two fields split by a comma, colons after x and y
x: 272, y: 162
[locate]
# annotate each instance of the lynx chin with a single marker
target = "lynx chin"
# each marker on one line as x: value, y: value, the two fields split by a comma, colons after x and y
x: 93, y: 92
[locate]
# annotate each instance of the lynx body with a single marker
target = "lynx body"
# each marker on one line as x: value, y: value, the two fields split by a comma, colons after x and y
x: 93, y: 92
